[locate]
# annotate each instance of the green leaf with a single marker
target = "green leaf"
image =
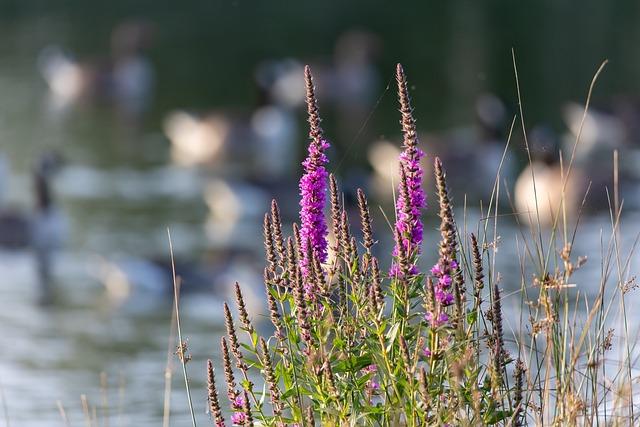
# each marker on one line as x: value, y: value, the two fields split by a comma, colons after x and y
x: 495, y: 417
x: 289, y: 393
x: 352, y: 364
x: 472, y: 316
x: 391, y: 335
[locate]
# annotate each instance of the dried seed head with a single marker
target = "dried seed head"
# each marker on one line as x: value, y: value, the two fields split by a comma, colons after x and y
x: 247, y: 410
x: 292, y: 261
x: 242, y: 310
x: 375, y: 291
x: 212, y: 392
x: 274, y: 314
x: 345, y: 236
x: 301, y: 311
x: 268, y: 245
x: 448, y: 242
x: 478, y: 282
x: 233, y: 338
x: 298, y: 241
x: 270, y: 378
x: 408, y: 122
x: 182, y: 352
x: 336, y: 219
x: 403, y: 266
x: 519, y: 372
x: 315, y: 131
x: 365, y: 219
x: 276, y: 225
x: 232, y: 393
x: 497, y: 340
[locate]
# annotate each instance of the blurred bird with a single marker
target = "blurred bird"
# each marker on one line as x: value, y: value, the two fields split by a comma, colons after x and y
x: 601, y: 132
x: 543, y: 187
x: 42, y: 230
x: 123, y: 79
x: 261, y: 143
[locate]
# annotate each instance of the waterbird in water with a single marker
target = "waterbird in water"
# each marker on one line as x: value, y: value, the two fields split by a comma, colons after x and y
x: 123, y: 79
x: 42, y: 230
x: 545, y: 189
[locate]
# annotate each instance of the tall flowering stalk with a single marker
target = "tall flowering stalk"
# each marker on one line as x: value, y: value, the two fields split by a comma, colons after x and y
x: 313, y: 188
x: 446, y: 270
x: 412, y: 199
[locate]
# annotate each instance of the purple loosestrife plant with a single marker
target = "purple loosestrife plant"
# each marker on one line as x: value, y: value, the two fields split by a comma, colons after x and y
x: 350, y: 347
x: 411, y: 200
x: 313, y: 189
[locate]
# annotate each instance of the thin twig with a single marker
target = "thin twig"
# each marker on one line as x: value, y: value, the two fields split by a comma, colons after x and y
x: 179, y: 330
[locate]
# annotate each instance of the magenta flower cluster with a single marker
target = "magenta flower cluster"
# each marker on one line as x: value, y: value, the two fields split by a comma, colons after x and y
x: 238, y: 418
x: 442, y: 272
x: 313, y: 188
x: 410, y: 224
x: 442, y: 291
x: 408, y: 221
x: 237, y: 405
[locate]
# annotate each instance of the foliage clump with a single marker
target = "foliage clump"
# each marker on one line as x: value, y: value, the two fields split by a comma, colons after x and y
x: 355, y: 345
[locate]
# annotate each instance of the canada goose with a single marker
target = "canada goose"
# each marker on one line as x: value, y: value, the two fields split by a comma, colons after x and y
x: 223, y: 138
x: 41, y: 230
x: 542, y: 201
x: 122, y: 79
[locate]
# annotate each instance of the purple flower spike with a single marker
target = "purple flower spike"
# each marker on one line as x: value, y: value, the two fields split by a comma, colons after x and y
x: 409, y: 222
x: 412, y: 199
x: 313, y: 187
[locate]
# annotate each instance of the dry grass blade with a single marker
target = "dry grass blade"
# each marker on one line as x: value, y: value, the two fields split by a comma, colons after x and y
x: 181, y: 347
x: 5, y: 409
x: 63, y: 414
x: 168, y: 371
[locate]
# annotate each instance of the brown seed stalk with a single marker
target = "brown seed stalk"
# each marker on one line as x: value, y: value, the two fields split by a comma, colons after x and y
x: 276, y: 226
x: 375, y: 290
x: 270, y: 378
x: 301, y: 310
x: 247, y: 410
x: 336, y: 219
x: 232, y: 392
x: 365, y: 220
x: 212, y: 392
x: 315, y: 131
x: 274, y: 314
x: 268, y: 246
x: 518, y: 374
x: 233, y: 338
x: 448, y: 243
x: 297, y: 240
x: 242, y: 310
x: 408, y: 122
x: 478, y: 281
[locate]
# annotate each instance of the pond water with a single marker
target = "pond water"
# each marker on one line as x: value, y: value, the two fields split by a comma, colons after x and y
x: 56, y: 353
